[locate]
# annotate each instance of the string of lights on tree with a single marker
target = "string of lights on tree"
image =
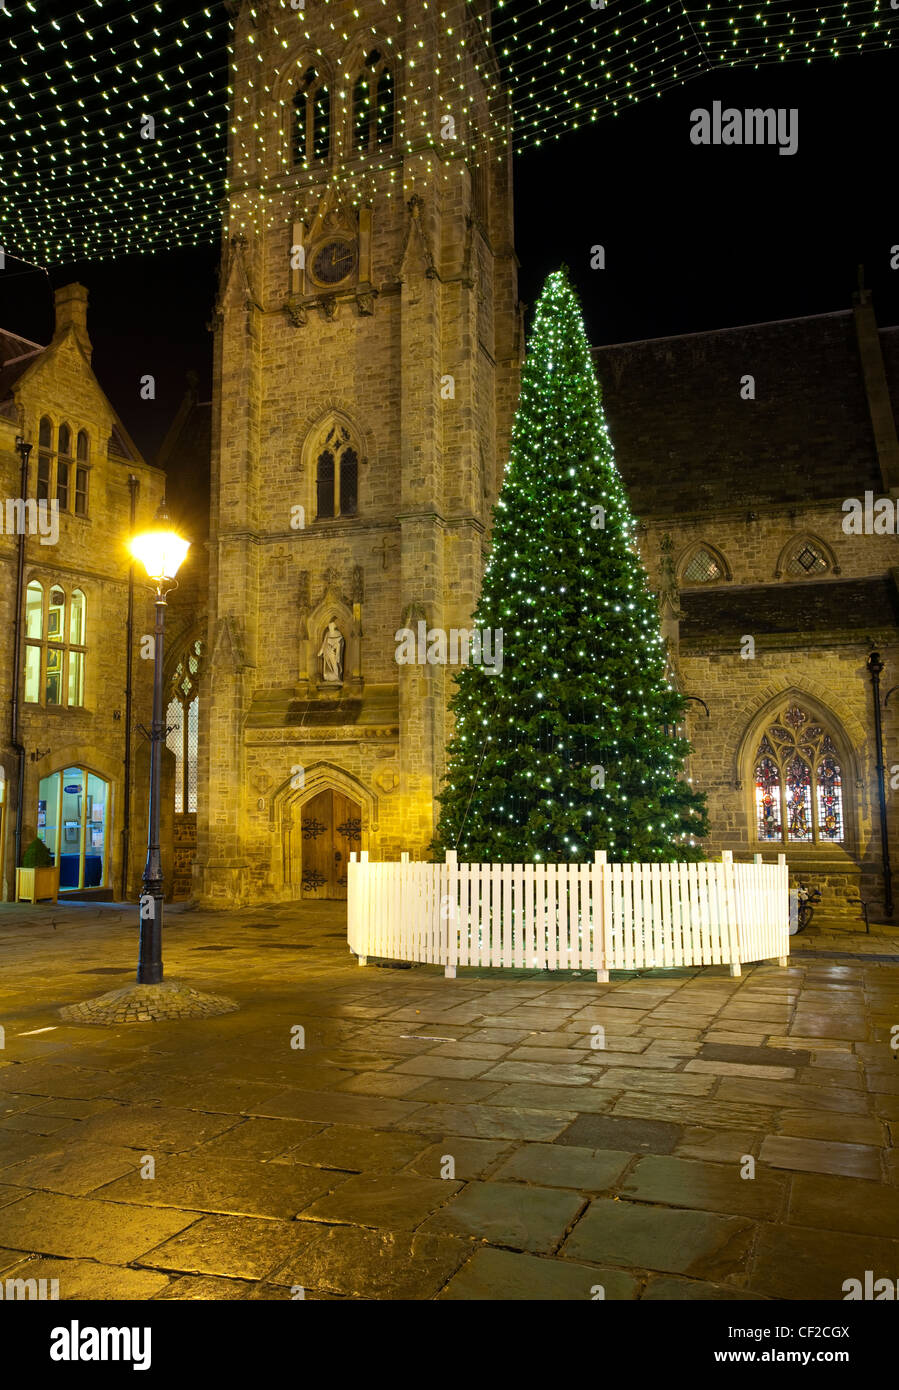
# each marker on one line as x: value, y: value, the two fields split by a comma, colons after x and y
x: 570, y: 744
x: 79, y: 179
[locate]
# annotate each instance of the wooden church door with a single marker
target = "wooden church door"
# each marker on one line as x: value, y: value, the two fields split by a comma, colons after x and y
x: 331, y: 830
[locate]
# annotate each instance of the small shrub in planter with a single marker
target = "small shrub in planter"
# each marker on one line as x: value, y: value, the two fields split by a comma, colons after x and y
x: 37, y: 856
x: 38, y: 876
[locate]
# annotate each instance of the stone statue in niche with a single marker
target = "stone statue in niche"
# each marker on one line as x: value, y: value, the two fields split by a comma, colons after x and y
x: 331, y: 654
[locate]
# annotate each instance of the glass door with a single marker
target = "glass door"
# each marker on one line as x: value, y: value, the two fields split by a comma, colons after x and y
x: 72, y: 821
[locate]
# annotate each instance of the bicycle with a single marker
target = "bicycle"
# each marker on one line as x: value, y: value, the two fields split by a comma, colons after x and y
x: 806, y: 899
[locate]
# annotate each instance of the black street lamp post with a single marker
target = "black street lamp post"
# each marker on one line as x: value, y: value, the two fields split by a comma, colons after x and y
x: 161, y: 551
x: 875, y: 667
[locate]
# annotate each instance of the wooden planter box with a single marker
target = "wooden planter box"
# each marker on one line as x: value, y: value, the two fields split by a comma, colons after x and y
x: 32, y: 885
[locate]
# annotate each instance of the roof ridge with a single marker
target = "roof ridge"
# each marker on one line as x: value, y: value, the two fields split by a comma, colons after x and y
x: 734, y: 328
x: 8, y: 333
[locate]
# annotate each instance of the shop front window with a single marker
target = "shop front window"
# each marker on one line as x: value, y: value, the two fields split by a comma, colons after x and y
x: 73, y: 822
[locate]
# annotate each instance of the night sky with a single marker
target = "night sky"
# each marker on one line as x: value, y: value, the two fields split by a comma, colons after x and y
x: 695, y: 238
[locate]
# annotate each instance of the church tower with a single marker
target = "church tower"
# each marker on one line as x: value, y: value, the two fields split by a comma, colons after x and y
x: 367, y: 347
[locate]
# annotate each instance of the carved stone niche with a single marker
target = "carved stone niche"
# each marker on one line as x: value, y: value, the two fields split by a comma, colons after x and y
x: 333, y: 606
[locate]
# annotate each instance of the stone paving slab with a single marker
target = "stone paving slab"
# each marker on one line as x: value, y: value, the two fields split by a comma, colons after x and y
x: 333, y: 1108
x: 451, y: 1091
x: 669, y: 1289
x: 471, y: 1158
x: 559, y: 1165
x: 76, y: 1170
x: 15, y: 1146
x: 153, y: 1128
x: 262, y: 1139
x: 717, y: 1145
x: 841, y: 1204
x: 683, y: 1182
x: 27, y: 1122
x: 509, y: 1276
x: 488, y: 1121
x: 42, y: 1079
x: 360, y: 1150
x: 384, y: 1200
x: 703, y: 1244
x: 91, y: 1280
x: 523, y: 1095
x: 350, y: 1261
x: 239, y: 1187
x: 624, y: 1135
x: 820, y: 1156
x: 529, y: 1218
x: 795, y: 1262
x: 236, y: 1247
x: 81, y: 1227
x: 11, y: 1194
x: 205, y: 1289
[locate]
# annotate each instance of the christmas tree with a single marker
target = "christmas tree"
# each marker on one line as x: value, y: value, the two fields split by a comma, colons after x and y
x: 566, y: 745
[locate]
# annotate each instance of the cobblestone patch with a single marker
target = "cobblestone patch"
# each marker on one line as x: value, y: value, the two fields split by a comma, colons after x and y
x: 148, y: 1004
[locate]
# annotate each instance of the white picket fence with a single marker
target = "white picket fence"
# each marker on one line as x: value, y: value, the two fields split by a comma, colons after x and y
x: 596, y: 917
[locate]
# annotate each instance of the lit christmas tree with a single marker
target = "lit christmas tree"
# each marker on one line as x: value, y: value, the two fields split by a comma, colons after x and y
x: 568, y: 744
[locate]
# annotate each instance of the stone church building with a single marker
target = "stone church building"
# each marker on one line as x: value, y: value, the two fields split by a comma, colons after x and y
x: 367, y: 344
x: 368, y: 340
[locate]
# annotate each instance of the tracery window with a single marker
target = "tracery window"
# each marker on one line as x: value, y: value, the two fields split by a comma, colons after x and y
x: 703, y: 567
x: 373, y: 104
x: 807, y: 558
x: 798, y: 786
x: 311, y: 119
x: 183, y: 724
x: 336, y: 473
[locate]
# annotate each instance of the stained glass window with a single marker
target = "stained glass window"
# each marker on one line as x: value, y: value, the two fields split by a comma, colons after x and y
x: 830, y: 799
x: 791, y: 803
x: 799, y: 800
x: 767, y: 800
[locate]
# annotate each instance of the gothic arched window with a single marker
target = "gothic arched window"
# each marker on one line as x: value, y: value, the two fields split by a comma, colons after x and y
x: 805, y: 557
x: 311, y: 119
x: 64, y: 463
x: 336, y: 472
x: 373, y: 104
x: 704, y: 566
x: 44, y: 460
x: 797, y: 779
x: 183, y: 724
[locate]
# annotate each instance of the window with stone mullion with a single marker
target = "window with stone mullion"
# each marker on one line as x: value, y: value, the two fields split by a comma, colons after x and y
x: 798, y: 783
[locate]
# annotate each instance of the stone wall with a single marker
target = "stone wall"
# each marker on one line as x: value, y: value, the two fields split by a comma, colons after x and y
x: 90, y: 555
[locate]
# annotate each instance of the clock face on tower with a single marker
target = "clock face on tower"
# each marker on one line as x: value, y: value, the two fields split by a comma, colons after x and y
x: 333, y: 261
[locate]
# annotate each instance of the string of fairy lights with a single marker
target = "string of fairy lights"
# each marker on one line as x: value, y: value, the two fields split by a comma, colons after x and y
x: 116, y: 121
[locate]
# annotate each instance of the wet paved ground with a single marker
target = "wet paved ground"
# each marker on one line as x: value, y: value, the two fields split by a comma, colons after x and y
x: 450, y: 1139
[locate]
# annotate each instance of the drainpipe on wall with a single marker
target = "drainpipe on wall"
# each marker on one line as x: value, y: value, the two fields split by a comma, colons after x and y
x: 24, y: 451
x: 875, y: 667
x: 129, y: 663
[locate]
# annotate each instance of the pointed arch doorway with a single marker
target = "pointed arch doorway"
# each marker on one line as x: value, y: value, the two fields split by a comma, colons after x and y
x: 325, y: 830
